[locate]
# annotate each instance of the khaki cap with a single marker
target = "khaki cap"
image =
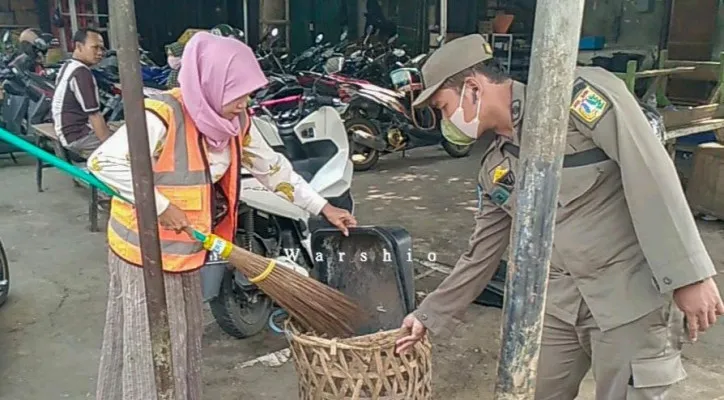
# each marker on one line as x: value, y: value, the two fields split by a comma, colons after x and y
x: 451, y: 58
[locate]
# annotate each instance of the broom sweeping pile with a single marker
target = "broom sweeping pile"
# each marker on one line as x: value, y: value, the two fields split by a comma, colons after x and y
x: 314, y: 305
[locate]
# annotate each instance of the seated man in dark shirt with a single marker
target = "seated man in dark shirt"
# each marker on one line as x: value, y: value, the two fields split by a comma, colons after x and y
x: 79, y: 123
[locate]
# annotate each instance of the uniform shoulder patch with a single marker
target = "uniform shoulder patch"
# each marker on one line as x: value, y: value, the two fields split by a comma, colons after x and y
x: 589, y: 105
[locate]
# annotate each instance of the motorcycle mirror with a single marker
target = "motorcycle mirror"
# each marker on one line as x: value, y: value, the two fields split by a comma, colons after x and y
x: 334, y: 65
x: 319, y: 39
x: 369, y: 29
x: 6, y: 37
x: 57, y: 19
x: 392, y: 39
x: 343, y: 36
x: 275, y: 32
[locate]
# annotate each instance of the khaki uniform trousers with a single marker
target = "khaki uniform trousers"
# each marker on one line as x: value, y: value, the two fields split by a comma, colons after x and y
x: 637, y: 361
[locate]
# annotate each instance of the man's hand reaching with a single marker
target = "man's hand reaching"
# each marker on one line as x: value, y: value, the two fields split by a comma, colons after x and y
x: 416, y: 331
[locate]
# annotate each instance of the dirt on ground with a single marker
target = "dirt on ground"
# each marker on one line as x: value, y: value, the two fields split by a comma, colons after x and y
x: 51, y: 327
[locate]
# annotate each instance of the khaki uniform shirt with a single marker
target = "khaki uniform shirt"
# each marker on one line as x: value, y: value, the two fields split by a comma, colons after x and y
x: 624, y: 236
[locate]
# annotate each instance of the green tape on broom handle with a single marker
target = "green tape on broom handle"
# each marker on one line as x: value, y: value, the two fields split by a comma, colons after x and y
x: 57, y: 162
x: 69, y: 168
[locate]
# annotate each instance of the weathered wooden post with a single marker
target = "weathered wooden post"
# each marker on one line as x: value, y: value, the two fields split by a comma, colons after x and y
x: 548, y: 97
x: 126, y: 35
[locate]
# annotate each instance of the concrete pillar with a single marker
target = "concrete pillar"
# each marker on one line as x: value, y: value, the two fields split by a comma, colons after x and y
x: 361, y: 10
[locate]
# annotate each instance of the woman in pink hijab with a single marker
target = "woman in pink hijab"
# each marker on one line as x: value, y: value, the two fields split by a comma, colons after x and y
x: 200, y: 135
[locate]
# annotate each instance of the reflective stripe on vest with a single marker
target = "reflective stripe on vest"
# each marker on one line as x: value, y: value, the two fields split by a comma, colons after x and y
x: 181, y: 175
x: 170, y: 247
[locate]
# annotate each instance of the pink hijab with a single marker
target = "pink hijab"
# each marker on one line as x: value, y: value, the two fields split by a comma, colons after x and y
x: 217, y: 70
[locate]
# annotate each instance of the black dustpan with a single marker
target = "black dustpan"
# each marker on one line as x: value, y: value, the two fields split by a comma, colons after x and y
x: 371, y: 266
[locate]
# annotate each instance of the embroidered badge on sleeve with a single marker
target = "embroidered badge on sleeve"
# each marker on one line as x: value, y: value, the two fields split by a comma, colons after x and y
x: 589, y: 105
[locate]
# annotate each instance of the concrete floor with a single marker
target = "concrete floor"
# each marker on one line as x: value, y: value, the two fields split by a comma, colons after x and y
x: 50, y: 329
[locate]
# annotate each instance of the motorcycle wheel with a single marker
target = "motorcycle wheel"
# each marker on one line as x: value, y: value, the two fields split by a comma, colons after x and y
x: 456, y: 151
x: 363, y: 158
x: 4, y: 276
x: 235, y: 314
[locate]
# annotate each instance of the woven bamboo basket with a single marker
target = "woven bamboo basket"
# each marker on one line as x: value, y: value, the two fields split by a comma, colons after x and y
x: 360, y: 368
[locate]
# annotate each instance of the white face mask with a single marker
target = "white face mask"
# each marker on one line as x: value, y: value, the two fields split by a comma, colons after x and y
x: 174, y: 62
x: 470, y: 129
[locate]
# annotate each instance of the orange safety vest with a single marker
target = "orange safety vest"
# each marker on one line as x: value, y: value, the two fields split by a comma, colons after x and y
x: 181, y: 173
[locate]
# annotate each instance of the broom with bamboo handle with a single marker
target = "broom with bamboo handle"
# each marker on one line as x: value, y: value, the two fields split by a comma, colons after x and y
x: 316, y: 306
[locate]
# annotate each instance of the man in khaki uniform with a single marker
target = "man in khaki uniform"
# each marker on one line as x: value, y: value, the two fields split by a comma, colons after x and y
x: 626, y: 249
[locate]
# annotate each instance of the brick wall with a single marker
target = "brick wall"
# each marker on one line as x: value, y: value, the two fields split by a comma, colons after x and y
x: 19, y: 12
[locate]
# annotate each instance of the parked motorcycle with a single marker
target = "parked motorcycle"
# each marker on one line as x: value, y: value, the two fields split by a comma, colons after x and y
x: 314, y: 58
x: 382, y: 121
x: 266, y: 55
x: 364, y: 60
x: 153, y: 75
x: 375, y: 62
x: 26, y: 55
x: 27, y: 101
x: 316, y: 145
x: 109, y: 86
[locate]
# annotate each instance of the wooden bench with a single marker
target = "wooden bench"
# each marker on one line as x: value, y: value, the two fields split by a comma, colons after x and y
x: 702, y: 117
x: 657, y: 87
x: 683, y: 120
x: 46, y: 138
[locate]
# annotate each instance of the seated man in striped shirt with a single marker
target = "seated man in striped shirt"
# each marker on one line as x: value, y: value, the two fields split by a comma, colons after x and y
x: 79, y: 123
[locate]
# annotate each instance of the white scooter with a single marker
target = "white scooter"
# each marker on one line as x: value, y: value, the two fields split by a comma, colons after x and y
x: 318, y: 148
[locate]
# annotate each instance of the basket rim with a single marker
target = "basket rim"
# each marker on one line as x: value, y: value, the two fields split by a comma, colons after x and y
x: 385, y: 339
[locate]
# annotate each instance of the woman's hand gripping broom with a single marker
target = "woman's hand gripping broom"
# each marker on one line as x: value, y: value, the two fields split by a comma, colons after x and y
x: 314, y: 305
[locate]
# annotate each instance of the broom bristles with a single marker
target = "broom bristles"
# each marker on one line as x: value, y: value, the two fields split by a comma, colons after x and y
x: 319, y: 308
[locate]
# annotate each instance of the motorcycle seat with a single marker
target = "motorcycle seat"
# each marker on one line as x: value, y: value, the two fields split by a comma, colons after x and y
x: 14, y: 88
x: 307, y: 159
